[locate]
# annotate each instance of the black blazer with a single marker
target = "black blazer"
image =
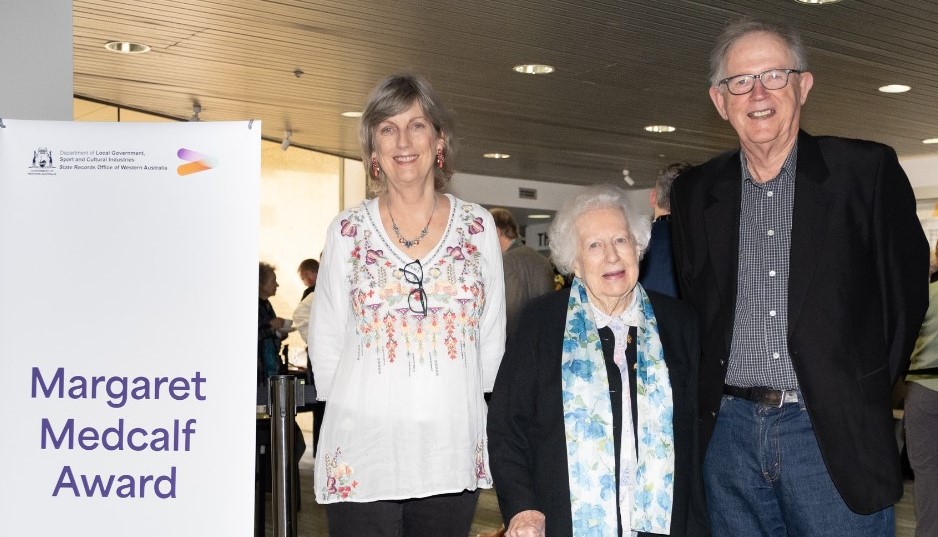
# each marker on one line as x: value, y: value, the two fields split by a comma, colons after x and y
x: 857, y: 293
x: 527, y: 449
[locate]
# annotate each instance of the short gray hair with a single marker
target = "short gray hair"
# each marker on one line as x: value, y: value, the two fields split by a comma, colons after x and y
x: 665, y: 179
x: 393, y: 95
x: 563, y: 232
x: 745, y: 26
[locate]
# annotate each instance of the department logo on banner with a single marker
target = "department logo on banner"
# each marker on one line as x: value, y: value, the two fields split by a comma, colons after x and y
x: 195, y: 162
x: 43, y: 162
x: 87, y: 160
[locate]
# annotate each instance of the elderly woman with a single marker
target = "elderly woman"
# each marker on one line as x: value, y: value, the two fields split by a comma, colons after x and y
x: 407, y: 331
x: 600, y: 358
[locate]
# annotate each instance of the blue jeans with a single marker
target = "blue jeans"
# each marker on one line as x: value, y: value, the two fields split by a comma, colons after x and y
x: 764, y: 475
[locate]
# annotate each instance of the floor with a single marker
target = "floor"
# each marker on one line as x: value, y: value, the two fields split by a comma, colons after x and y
x: 311, y: 519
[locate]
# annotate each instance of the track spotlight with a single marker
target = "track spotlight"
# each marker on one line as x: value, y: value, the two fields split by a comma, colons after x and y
x: 627, y: 178
x: 286, y: 140
x: 196, y: 110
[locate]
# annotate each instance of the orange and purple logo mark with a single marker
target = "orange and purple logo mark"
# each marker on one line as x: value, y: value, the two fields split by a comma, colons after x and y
x: 195, y: 162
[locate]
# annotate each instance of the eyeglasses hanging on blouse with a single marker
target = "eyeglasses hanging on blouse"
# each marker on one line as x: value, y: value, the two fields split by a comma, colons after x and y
x: 417, y: 298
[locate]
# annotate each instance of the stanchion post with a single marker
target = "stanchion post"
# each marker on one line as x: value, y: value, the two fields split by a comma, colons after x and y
x: 283, y: 484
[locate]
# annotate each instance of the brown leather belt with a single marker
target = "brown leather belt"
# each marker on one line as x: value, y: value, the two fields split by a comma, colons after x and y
x: 762, y: 395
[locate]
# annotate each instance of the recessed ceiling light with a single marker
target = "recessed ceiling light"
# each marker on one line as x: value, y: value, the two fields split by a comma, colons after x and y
x: 496, y: 155
x: 660, y: 128
x: 538, y: 216
x: 930, y: 141
x: 534, y: 69
x: 894, y: 88
x: 817, y: 2
x: 351, y: 114
x: 126, y: 47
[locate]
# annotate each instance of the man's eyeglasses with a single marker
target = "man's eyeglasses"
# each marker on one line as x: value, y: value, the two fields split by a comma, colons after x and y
x: 773, y: 79
x: 416, y: 299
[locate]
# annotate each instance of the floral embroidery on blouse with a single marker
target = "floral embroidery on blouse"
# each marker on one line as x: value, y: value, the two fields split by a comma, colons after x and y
x: 452, y: 281
x: 348, y: 230
x: 339, y: 482
x: 368, y: 339
x: 481, y: 473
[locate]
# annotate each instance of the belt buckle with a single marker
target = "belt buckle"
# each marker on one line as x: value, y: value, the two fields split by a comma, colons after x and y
x: 781, y: 398
x: 787, y: 396
x: 770, y: 397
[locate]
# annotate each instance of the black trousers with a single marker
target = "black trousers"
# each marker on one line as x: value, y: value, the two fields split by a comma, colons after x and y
x: 443, y: 515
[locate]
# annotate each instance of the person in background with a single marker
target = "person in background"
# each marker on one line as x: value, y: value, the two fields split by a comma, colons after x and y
x: 271, y: 331
x: 308, y: 271
x: 270, y: 328
x: 921, y: 414
x: 407, y: 331
x: 657, y: 267
x: 807, y: 265
x: 592, y: 422
x: 527, y: 273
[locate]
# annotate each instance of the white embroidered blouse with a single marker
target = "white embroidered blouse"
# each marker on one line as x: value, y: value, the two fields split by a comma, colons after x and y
x: 405, y: 416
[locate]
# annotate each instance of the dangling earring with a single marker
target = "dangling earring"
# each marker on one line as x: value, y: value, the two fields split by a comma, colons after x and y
x: 439, y: 158
x: 374, y: 167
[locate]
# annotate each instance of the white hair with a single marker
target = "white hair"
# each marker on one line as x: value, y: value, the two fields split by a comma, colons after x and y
x: 564, y: 234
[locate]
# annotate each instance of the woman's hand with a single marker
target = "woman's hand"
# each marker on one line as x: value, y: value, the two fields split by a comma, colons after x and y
x: 528, y: 523
x: 276, y: 323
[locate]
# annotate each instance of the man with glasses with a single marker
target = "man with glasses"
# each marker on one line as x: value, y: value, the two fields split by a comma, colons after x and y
x: 808, y: 268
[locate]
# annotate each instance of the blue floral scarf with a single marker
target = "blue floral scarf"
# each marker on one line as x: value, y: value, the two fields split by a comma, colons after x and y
x: 587, y: 417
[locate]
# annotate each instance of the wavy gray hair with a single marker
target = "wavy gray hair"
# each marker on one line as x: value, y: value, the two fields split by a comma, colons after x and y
x: 564, y: 233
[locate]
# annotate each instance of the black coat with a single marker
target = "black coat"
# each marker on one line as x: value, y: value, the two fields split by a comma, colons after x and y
x: 857, y: 293
x: 527, y: 449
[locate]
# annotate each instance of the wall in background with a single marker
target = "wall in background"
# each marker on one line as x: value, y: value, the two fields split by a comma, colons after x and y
x: 36, y: 63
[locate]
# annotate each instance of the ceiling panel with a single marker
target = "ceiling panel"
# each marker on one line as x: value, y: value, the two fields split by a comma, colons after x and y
x: 620, y: 64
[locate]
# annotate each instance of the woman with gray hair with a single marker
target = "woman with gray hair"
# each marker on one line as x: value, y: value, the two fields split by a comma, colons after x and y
x: 407, y: 331
x: 600, y: 358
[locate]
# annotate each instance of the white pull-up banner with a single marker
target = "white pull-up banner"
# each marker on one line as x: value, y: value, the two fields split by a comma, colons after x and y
x: 128, y: 283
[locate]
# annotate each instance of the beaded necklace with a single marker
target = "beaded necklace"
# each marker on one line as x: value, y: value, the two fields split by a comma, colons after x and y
x: 408, y: 243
